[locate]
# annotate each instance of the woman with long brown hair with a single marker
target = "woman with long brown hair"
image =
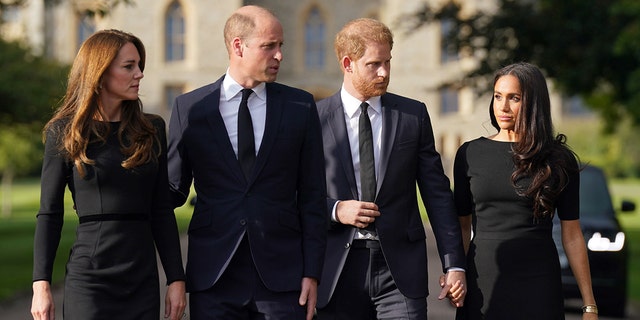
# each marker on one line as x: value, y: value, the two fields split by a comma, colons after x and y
x: 113, y: 158
x: 508, y: 187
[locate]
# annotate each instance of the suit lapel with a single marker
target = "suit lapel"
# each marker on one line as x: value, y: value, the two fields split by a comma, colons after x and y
x: 275, y: 108
x: 390, y: 119
x: 219, y: 130
x: 338, y: 129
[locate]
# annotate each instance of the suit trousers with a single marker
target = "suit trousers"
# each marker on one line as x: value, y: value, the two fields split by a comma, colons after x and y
x: 366, y: 290
x: 240, y: 294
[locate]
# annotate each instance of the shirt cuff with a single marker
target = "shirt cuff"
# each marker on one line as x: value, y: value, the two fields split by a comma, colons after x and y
x: 455, y: 269
x: 334, y: 217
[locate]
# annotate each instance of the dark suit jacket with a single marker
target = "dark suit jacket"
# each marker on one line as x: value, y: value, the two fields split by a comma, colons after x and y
x: 282, y: 208
x: 407, y: 157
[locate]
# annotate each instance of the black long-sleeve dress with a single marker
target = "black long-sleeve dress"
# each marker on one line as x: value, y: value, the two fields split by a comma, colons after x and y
x: 112, y: 271
x: 513, y: 266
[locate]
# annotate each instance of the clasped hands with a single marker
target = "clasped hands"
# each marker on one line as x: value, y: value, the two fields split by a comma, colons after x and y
x: 453, y: 287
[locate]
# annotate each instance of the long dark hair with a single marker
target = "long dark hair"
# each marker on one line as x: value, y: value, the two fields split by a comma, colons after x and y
x: 539, y: 154
x: 81, y: 104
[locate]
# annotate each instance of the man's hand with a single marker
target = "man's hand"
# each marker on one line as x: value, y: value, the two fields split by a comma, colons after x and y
x: 309, y: 296
x: 453, y: 286
x: 357, y: 213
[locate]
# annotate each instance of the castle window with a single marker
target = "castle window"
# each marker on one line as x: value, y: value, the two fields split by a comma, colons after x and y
x: 314, y: 36
x: 449, y: 103
x: 174, y: 33
x: 86, y: 27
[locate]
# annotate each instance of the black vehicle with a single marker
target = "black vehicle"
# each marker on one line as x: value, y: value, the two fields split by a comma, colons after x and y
x: 606, y: 245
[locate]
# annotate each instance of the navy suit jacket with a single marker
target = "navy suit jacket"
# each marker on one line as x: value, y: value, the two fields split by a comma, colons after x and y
x: 282, y: 206
x: 407, y: 157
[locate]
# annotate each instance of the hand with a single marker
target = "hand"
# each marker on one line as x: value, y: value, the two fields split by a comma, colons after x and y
x: 453, y: 286
x: 309, y: 295
x: 589, y: 316
x: 357, y: 213
x: 42, y: 307
x: 175, y: 301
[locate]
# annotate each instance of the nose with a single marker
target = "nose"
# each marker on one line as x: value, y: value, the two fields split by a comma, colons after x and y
x: 384, y: 70
x: 139, y: 74
x: 503, y: 105
x: 278, y: 54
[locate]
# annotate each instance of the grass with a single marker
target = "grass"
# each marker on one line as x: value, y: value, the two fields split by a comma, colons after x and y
x: 630, y: 190
x: 16, y: 236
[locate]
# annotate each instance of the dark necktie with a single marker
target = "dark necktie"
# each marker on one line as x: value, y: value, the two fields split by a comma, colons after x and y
x: 246, y: 143
x: 367, y: 164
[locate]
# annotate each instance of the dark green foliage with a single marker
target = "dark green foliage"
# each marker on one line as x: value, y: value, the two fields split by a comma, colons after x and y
x: 30, y: 87
x: 589, y: 48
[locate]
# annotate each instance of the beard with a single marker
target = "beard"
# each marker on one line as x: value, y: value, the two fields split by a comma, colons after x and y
x: 371, y: 88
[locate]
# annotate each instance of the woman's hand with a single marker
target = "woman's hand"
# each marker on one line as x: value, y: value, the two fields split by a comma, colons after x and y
x: 175, y: 301
x: 42, y: 307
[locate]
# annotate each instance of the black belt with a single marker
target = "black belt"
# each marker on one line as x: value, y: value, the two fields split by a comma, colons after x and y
x: 115, y: 217
x: 365, y: 243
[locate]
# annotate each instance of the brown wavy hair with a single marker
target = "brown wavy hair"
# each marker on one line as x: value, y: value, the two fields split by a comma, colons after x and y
x: 81, y: 106
x: 539, y: 155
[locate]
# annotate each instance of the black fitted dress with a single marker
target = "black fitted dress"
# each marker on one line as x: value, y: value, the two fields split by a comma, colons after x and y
x: 513, y: 267
x: 124, y: 214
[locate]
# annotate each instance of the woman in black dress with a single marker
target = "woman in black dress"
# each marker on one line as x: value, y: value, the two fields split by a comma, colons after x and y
x: 113, y: 158
x: 508, y: 188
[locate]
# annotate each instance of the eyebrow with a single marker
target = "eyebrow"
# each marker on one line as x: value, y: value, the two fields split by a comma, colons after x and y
x: 508, y: 92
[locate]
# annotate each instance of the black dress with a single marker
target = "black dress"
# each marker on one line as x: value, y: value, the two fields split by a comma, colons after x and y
x: 513, y: 266
x: 112, y: 271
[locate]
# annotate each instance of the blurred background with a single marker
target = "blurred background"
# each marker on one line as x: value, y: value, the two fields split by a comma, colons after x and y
x: 445, y: 53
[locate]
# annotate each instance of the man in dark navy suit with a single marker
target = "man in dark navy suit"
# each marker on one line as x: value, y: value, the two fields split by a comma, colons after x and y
x: 377, y: 147
x: 253, y: 149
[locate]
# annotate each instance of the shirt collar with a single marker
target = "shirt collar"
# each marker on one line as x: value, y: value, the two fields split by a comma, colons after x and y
x: 351, y: 104
x: 231, y: 88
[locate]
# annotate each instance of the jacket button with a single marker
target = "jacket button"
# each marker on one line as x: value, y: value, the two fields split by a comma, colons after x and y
x: 347, y: 245
x: 243, y: 222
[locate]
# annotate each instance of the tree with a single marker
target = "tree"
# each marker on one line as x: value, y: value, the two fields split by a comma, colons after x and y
x: 19, y: 153
x: 30, y: 87
x: 589, y: 48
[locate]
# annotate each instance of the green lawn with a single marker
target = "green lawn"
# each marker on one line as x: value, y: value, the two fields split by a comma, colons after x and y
x: 630, y: 190
x: 16, y: 236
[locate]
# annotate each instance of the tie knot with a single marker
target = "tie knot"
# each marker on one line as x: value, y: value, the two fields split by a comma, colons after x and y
x: 364, y: 106
x: 246, y: 93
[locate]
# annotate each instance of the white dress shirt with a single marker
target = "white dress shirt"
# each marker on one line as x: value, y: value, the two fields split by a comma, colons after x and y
x: 351, y: 107
x: 230, y: 96
x: 352, y: 112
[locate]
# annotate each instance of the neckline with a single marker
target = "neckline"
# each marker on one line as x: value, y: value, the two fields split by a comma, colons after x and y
x: 498, y: 141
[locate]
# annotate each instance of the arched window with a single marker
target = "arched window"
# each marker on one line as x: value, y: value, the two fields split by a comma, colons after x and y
x: 449, y: 103
x: 446, y: 55
x: 170, y: 94
x: 174, y: 33
x: 86, y: 27
x: 314, y: 34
